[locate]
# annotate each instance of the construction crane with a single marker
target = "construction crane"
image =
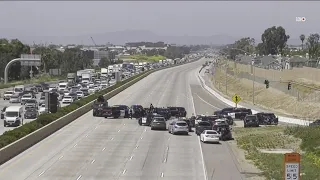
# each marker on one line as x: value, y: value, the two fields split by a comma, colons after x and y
x: 93, y: 41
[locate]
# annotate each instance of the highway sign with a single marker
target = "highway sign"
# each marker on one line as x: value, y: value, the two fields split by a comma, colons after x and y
x: 292, y: 166
x: 236, y: 98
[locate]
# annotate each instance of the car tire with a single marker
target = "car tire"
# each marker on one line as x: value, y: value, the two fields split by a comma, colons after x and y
x: 151, y: 128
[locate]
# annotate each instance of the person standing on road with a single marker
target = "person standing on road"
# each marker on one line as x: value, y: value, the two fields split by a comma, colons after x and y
x: 130, y: 113
x: 151, y: 107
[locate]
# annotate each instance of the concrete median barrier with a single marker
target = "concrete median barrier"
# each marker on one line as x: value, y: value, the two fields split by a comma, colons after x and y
x: 15, y: 148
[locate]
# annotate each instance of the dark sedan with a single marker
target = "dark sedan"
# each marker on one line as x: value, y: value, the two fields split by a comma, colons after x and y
x: 159, y: 123
x: 31, y: 114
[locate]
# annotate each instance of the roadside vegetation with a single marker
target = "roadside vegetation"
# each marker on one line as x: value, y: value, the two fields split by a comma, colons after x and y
x: 45, y: 78
x: 271, y: 98
x: 145, y: 58
x: 304, y: 140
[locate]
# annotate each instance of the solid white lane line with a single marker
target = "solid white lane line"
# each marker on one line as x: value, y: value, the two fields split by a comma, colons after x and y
x: 165, y: 160
x: 103, y: 149
x: 93, y: 161
x: 130, y: 158
x: 111, y: 139
x: 75, y: 145
x: 141, y: 138
x: 162, y: 174
x: 137, y: 146
x: 202, y: 159
x: 119, y: 130
x: 124, y: 171
x: 79, y: 177
x: 61, y: 157
x: 42, y: 173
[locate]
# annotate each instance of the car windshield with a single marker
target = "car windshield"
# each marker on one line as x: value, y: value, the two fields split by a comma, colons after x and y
x: 79, y: 92
x: 31, y: 101
x: 159, y: 120
x: 30, y: 110
x: 181, y: 124
x: 211, y: 132
x: 67, y: 97
x: 42, y: 97
x: 8, y: 92
x: 204, y: 124
x: 27, y: 96
x: 12, y: 114
x: 62, y: 86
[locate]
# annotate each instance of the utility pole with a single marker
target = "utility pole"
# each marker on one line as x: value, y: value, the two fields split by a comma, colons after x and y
x: 226, y: 77
x: 253, y: 82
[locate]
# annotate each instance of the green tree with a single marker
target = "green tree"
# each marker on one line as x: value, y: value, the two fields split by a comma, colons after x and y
x: 11, y: 50
x: 302, y: 38
x: 313, y: 46
x: 104, y: 62
x: 274, y: 40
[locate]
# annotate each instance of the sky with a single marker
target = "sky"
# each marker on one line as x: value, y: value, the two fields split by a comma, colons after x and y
x: 193, y: 18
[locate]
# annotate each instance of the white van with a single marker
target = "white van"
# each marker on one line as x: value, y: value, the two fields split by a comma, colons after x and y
x: 19, y: 89
x: 13, y: 116
x: 62, y: 86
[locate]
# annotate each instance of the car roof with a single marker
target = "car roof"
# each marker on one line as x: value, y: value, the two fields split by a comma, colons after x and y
x: 210, y: 131
x: 13, y: 108
x: 179, y: 121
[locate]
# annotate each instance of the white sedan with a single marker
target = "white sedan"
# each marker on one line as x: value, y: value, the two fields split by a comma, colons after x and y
x: 80, y: 94
x: 67, y: 100
x: 42, y: 109
x: 209, y: 136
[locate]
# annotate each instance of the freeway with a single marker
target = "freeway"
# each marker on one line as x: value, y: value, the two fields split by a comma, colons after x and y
x: 4, y: 103
x: 99, y: 148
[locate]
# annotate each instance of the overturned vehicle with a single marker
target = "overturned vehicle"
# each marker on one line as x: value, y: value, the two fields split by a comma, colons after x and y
x: 267, y: 118
x: 235, y: 113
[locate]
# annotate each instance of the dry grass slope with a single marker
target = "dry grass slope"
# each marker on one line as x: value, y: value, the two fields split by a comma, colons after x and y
x: 271, y: 98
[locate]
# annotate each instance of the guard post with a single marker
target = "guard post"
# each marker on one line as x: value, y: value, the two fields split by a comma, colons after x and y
x: 291, y: 166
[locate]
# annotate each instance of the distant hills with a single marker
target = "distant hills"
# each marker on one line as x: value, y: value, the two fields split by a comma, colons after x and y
x: 122, y: 37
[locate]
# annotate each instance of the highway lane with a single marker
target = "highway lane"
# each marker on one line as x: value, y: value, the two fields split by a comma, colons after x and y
x: 99, y: 148
x: 220, y: 162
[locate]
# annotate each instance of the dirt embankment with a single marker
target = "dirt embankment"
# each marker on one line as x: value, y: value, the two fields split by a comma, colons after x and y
x: 270, y: 98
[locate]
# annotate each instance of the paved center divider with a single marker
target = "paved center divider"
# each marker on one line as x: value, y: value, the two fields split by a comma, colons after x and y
x: 230, y: 103
x: 15, y: 148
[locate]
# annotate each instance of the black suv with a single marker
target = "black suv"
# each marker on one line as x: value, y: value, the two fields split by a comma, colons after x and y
x: 251, y: 121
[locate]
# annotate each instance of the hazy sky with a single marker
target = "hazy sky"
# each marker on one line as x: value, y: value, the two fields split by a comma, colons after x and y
x: 165, y: 18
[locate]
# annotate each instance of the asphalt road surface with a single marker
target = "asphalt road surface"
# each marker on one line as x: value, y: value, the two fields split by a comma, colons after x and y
x: 98, y: 148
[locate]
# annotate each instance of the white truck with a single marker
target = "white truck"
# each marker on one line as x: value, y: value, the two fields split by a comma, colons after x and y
x: 104, y: 72
x: 13, y: 116
x: 110, y: 69
x: 86, y: 78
